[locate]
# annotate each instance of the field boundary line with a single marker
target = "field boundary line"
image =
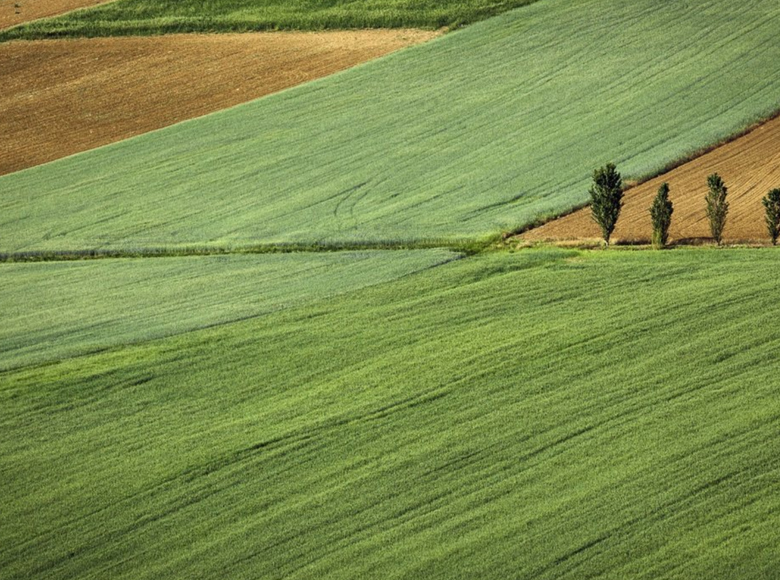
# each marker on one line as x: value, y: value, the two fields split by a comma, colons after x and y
x: 668, y: 168
x: 465, y: 247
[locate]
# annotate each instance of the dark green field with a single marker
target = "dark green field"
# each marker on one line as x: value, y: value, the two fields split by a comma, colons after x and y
x: 544, y: 414
x: 126, y: 17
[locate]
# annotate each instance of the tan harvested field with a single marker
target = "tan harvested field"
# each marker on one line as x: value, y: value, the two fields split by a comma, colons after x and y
x: 750, y: 166
x: 65, y: 96
x: 13, y: 12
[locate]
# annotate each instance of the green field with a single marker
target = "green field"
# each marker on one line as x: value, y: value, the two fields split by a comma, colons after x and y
x: 125, y: 17
x: 54, y: 310
x: 543, y: 414
x: 481, y: 131
x: 401, y: 413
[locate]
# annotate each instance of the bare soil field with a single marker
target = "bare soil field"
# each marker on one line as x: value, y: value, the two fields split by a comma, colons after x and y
x: 65, y: 96
x: 13, y: 12
x: 750, y: 166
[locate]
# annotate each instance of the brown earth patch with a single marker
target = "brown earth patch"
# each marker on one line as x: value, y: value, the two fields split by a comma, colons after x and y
x: 61, y: 97
x: 750, y: 167
x: 13, y: 12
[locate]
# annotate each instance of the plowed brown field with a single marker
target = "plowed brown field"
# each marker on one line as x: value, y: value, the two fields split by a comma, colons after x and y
x: 750, y: 166
x: 61, y: 97
x: 13, y: 12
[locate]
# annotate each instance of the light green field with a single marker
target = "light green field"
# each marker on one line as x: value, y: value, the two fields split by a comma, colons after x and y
x: 55, y: 310
x: 545, y: 414
x: 480, y: 131
x: 167, y: 16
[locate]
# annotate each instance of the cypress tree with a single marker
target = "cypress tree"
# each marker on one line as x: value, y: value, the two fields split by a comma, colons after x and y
x: 661, y: 216
x: 606, y: 195
x: 772, y: 206
x: 717, y: 206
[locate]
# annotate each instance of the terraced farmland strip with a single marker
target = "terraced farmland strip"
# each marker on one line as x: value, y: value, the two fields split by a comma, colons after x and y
x: 533, y: 415
x: 52, y: 311
x: 480, y: 131
x: 750, y: 167
x: 128, y: 17
x: 64, y: 97
x: 13, y: 12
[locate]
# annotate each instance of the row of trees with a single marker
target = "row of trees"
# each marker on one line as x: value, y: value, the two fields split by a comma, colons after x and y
x: 606, y: 196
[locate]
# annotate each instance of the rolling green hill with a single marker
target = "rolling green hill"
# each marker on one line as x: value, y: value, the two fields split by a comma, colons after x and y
x: 55, y: 310
x: 480, y: 131
x: 545, y: 414
x: 542, y: 414
x: 124, y: 17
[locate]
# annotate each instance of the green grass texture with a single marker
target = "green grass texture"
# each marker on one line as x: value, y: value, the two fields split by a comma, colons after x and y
x: 543, y: 414
x: 130, y: 17
x: 480, y: 131
x: 55, y: 310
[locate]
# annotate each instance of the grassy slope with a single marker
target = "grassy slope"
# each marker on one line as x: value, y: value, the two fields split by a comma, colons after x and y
x: 482, y: 130
x: 165, y: 16
x: 144, y: 299
x: 545, y: 414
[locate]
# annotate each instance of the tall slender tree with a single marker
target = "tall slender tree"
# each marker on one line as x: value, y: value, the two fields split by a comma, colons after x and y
x: 717, y: 206
x: 606, y: 199
x: 772, y: 206
x: 661, y: 216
